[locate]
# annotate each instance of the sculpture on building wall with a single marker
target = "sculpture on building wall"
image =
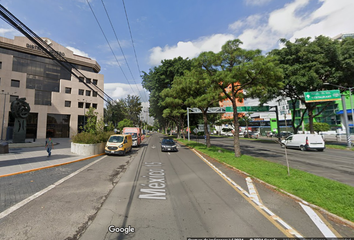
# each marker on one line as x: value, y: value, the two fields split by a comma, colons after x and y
x: 20, y: 109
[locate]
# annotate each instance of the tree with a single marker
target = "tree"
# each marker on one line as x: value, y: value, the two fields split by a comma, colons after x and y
x: 115, y: 112
x: 198, y: 91
x: 307, y: 65
x: 125, y: 123
x: 318, y: 127
x: 160, y: 78
x: 174, y: 100
x: 234, y: 70
x: 133, y: 109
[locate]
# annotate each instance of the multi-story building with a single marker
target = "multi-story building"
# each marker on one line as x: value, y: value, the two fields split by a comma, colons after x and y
x: 58, y: 100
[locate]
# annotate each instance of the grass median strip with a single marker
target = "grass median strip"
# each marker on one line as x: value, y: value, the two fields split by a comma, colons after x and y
x: 335, y: 197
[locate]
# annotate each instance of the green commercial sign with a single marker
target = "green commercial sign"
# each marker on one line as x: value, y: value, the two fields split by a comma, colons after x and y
x: 322, y: 96
x: 249, y: 109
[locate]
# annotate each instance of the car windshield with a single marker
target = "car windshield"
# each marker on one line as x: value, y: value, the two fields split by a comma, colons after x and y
x: 133, y: 134
x: 167, y: 141
x: 116, y: 139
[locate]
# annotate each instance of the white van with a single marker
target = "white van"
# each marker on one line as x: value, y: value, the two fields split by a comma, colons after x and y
x: 304, y: 142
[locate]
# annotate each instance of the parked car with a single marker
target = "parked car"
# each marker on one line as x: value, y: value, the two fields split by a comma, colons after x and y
x: 304, y: 142
x: 119, y: 144
x: 251, y: 135
x: 167, y: 144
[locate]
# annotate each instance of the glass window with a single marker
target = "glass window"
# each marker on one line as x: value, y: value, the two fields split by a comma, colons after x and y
x: 88, y: 80
x: 81, y: 79
x: 42, y: 98
x: 94, y: 105
x: 87, y: 105
x: 67, y: 103
x: 116, y: 139
x: 94, y: 81
x: 13, y: 98
x: 94, y: 94
x: 58, y: 125
x: 15, y: 83
x: 81, y: 91
x: 88, y: 93
x: 81, y: 105
x: 67, y: 90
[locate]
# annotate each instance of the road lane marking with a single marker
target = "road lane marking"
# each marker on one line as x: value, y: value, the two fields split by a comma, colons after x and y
x: 252, y: 190
x: 318, y: 222
x: 36, y: 195
x: 268, y: 214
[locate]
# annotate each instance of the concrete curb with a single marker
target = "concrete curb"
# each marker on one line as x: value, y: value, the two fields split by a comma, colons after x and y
x: 332, y: 215
x: 51, y: 166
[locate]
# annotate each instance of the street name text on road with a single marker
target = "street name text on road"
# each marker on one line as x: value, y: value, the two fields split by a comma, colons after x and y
x: 156, y: 182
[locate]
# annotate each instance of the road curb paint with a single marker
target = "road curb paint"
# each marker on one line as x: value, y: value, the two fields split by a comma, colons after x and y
x: 276, y: 220
x: 51, y: 166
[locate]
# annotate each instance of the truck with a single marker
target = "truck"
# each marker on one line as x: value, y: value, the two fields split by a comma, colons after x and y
x: 136, y: 135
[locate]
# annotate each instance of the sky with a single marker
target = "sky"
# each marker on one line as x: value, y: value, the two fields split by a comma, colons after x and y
x: 160, y: 29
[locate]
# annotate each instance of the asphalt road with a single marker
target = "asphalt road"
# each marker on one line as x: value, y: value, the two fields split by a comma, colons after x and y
x: 331, y: 163
x: 150, y: 194
x: 179, y: 195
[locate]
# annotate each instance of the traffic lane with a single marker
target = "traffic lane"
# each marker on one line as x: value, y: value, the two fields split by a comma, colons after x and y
x: 64, y: 211
x: 194, y: 201
x: 333, y: 164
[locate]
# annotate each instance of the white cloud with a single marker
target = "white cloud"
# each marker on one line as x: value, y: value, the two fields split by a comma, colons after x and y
x: 251, y: 21
x: 9, y: 32
x: 295, y: 21
x: 257, y: 2
x: 122, y: 90
x: 78, y: 52
x: 189, y: 49
x: 285, y: 20
x: 332, y: 18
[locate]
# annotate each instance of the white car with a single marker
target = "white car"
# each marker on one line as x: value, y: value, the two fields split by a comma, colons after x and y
x: 304, y: 142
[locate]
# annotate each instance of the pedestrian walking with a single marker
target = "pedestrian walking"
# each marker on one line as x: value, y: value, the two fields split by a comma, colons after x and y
x: 49, y: 145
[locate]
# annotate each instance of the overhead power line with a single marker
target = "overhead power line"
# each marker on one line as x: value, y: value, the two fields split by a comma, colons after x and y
x: 8, y: 17
x: 121, y: 49
x: 131, y: 37
x: 109, y: 45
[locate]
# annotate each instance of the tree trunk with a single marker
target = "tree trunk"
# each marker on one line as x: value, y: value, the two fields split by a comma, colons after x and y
x: 237, y: 148
x: 207, y: 134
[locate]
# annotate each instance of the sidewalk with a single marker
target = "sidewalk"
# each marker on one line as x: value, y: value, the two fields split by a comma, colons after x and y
x: 30, y: 156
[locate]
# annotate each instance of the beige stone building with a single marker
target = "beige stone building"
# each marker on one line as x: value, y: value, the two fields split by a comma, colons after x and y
x: 58, y: 100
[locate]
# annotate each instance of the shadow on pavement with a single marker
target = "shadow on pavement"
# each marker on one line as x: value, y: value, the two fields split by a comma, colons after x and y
x: 32, y: 160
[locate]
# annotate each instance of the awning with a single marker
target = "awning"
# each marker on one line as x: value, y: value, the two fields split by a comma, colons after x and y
x: 341, y: 111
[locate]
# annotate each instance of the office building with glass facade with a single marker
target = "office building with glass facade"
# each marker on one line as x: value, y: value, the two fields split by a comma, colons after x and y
x: 58, y: 100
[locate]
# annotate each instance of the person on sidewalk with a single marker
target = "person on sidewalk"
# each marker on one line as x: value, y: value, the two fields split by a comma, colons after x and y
x: 49, y: 145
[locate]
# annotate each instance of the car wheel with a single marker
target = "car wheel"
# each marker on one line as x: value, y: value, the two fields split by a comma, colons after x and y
x: 320, y: 150
x: 302, y: 148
